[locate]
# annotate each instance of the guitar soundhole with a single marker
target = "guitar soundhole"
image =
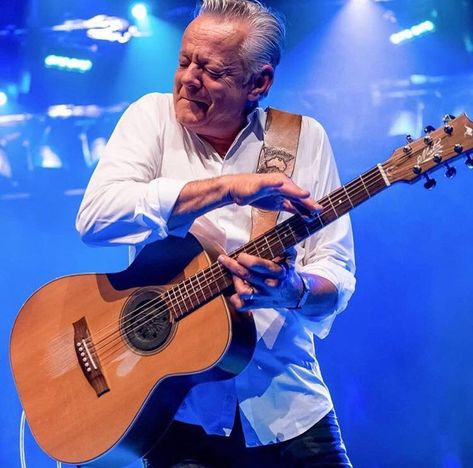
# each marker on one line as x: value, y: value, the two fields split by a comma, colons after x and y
x: 145, y: 321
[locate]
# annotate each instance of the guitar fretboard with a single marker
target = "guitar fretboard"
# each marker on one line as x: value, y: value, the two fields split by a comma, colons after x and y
x: 200, y: 288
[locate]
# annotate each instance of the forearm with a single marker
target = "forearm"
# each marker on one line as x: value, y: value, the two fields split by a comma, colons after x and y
x: 197, y: 198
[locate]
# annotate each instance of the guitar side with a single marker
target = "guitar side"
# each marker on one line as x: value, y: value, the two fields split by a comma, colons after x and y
x: 73, y: 421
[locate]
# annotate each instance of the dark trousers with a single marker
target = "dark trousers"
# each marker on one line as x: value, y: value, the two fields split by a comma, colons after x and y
x: 186, y: 445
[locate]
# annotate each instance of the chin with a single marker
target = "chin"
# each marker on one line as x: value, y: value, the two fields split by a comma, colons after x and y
x: 189, y: 121
x: 188, y: 118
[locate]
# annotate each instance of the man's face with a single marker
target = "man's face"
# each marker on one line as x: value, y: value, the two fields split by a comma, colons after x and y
x: 210, y: 90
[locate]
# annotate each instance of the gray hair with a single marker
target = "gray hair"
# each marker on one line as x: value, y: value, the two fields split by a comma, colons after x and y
x: 264, y: 42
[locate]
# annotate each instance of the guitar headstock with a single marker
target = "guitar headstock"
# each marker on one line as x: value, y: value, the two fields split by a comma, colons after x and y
x: 438, y: 148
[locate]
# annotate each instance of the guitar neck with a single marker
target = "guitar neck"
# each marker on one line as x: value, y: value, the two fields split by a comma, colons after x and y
x: 214, y: 280
x: 294, y: 230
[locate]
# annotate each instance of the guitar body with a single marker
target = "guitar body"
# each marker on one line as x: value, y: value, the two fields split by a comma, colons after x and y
x: 116, y: 417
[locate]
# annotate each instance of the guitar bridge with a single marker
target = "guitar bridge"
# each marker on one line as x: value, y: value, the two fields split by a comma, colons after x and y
x: 88, y: 358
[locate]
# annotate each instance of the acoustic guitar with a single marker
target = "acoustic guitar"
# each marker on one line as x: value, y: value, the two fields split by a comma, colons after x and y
x: 103, y: 361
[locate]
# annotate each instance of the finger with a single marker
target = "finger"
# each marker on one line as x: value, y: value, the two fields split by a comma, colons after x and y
x: 289, y: 207
x: 307, y: 211
x: 243, y: 289
x: 290, y: 257
x: 237, y: 301
x: 234, y: 267
x: 261, y: 266
x: 290, y: 190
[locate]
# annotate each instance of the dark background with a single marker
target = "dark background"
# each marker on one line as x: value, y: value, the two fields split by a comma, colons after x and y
x: 398, y: 361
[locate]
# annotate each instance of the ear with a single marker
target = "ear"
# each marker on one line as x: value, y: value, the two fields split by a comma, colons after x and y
x: 260, y: 83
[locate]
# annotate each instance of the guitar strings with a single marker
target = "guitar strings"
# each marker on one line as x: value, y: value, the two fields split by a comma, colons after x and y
x: 215, y: 276
x: 195, y: 279
x: 369, y: 182
x: 221, y: 272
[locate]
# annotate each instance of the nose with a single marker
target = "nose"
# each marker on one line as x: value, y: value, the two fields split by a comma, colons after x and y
x: 191, y: 76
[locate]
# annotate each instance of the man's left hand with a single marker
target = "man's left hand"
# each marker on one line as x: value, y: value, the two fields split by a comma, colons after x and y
x: 261, y: 283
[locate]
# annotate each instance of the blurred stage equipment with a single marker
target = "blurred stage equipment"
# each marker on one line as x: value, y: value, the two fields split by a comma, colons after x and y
x: 102, y: 27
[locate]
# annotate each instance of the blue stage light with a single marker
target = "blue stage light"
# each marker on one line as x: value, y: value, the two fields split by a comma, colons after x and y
x: 67, y: 63
x: 3, y: 98
x: 139, y: 11
x: 411, y: 33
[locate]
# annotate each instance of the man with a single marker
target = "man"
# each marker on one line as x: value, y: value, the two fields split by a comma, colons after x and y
x: 189, y: 160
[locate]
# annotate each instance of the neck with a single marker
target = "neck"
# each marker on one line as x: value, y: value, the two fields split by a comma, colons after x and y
x: 220, y: 144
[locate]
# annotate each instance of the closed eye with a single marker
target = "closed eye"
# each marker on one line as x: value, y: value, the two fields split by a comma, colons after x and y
x: 214, y: 74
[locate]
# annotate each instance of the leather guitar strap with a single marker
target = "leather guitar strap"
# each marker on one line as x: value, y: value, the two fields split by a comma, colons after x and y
x: 277, y: 155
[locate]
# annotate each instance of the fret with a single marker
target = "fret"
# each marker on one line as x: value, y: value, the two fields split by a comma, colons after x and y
x: 199, y: 284
x: 278, y: 238
x: 292, y: 232
x: 363, y: 183
x: 332, y: 205
x: 348, y: 196
x: 252, y: 249
x: 181, y: 300
x: 208, y: 285
x: 356, y: 192
x: 320, y: 220
x: 193, y: 291
x: 186, y: 297
x: 174, y: 302
x: 269, y: 247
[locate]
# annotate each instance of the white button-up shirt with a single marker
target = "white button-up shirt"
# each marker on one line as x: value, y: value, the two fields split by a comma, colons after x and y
x: 148, y: 159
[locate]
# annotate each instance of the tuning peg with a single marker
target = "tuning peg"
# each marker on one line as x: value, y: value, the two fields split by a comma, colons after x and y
x: 409, y: 138
x: 429, y: 129
x: 458, y: 148
x: 428, y: 140
x: 448, y: 118
x: 448, y: 129
x: 437, y: 158
x: 450, y: 172
x: 469, y: 161
x: 430, y: 183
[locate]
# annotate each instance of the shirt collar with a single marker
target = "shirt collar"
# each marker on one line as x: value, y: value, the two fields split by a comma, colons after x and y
x: 255, y: 123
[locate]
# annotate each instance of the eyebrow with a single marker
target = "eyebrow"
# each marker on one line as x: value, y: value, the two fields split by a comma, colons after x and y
x: 209, y: 60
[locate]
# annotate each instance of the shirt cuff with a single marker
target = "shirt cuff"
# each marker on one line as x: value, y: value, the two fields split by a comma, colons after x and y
x: 155, y: 208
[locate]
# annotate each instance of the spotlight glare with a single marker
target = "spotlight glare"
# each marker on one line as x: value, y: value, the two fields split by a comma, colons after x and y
x: 3, y: 98
x: 139, y: 11
x: 68, y: 63
x: 415, y: 31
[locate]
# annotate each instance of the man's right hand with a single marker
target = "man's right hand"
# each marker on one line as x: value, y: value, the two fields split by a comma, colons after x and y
x: 273, y: 192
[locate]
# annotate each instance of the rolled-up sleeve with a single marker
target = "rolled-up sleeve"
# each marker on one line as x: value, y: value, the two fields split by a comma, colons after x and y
x: 329, y: 253
x: 126, y: 202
